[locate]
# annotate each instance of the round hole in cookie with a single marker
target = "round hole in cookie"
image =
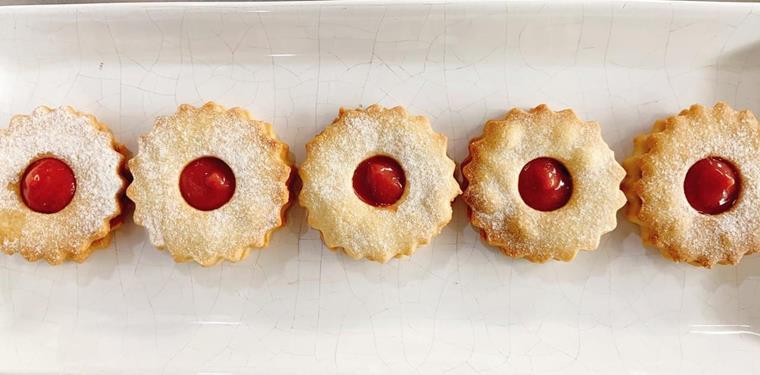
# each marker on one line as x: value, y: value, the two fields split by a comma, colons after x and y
x: 207, y: 183
x: 47, y: 185
x: 545, y: 184
x: 379, y: 181
x: 712, y: 185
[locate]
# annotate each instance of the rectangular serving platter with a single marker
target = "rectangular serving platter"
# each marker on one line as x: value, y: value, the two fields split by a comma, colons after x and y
x: 457, y: 306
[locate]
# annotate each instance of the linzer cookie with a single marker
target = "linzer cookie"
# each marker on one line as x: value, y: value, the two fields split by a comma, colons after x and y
x: 61, y: 185
x: 692, y: 185
x: 210, y: 184
x: 377, y: 183
x: 542, y: 185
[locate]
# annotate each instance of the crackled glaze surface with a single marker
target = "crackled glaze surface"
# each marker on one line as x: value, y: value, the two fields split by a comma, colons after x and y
x: 456, y: 306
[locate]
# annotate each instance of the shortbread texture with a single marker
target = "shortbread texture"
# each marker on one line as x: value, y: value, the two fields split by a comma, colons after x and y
x: 88, y: 148
x: 656, y: 173
x: 259, y: 161
x: 496, y: 207
x: 357, y: 228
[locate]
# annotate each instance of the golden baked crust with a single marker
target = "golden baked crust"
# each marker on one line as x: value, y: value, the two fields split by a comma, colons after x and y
x: 498, y: 211
x: 656, y: 173
x: 261, y: 165
x: 88, y: 147
x: 357, y: 228
x: 125, y: 205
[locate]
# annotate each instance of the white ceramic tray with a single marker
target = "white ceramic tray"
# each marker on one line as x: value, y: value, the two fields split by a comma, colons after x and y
x: 456, y: 306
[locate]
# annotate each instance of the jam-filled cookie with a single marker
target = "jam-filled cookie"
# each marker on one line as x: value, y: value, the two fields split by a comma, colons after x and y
x: 210, y: 184
x: 377, y: 183
x: 692, y: 185
x: 60, y: 185
x: 542, y: 184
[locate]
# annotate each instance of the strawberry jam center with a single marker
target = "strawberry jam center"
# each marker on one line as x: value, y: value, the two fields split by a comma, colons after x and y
x: 207, y: 183
x: 379, y: 181
x: 545, y: 184
x: 712, y: 185
x: 48, y: 185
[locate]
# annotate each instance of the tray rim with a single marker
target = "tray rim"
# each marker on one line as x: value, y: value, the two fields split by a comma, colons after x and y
x: 50, y: 4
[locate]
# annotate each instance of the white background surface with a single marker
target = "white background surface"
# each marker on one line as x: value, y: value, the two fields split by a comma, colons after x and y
x: 456, y: 306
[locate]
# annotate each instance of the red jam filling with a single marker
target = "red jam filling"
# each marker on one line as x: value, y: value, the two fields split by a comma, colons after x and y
x: 712, y: 185
x: 207, y: 183
x: 48, y: 185
x: 545, y: 184
x: 379, y: 181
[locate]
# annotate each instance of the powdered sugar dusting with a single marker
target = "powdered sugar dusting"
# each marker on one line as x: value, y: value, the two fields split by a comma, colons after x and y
x: 497, y: 208
x: 666, y: 218
x: 363, y: 230
x: 79, y: 141
x: 229, y: 232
